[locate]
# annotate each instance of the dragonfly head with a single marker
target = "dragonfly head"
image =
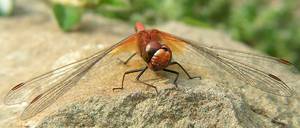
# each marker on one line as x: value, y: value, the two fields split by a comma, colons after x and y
x: 161, y: 58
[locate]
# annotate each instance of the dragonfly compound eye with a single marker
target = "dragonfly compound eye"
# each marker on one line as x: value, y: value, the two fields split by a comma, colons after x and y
x: 160, y: 59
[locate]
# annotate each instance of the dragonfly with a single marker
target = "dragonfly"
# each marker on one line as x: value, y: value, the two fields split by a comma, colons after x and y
x: 159, y: 50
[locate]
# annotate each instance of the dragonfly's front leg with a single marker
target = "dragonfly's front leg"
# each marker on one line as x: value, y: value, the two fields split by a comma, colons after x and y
x: 142, y: 70
x: 129, y: 72
x: 128, y: 59
x: 190, y: 77
x: 177, y: 73
x: 174, y: 72
x: 138, y: 79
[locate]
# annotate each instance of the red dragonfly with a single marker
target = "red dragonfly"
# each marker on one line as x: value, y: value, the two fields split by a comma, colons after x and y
x: 159, y: 50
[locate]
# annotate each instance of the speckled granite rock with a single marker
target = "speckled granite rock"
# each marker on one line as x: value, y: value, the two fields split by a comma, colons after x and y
x: 32, y: 44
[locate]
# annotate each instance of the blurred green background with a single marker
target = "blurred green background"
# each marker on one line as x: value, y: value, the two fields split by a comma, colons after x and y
x: 271, y: 26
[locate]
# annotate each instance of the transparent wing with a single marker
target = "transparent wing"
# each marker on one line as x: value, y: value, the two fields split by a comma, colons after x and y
x: 43, y: 100
x: 279, y: 67
x: 250, y: 68
x: 32, y: 87
x: 43, y: 90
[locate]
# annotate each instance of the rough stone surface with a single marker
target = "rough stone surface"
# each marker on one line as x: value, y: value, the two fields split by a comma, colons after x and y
x: 170, y: 108
x: 31, y: 44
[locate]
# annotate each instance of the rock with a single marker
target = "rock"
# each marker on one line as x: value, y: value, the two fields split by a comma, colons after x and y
x: 170, y: 108
x: 31, y: 44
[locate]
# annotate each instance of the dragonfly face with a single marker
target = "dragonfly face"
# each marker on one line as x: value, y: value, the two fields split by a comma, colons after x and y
x: 155, y: 54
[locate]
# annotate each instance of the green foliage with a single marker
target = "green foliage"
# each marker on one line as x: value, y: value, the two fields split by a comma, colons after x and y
x: 272, y: 29
x: 67, y: 16
x: 7, y: 7
x: 203, y: 12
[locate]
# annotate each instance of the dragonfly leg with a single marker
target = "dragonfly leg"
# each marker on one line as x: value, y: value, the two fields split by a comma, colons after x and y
x: 128, y: 72
x: 128, y: 59
x: 139, y: 76
x: 177, y: 74
x: 190, y: 77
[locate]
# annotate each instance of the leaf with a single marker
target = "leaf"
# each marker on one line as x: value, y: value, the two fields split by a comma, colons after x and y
x: 6, y: 7
x: 67, y: 16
